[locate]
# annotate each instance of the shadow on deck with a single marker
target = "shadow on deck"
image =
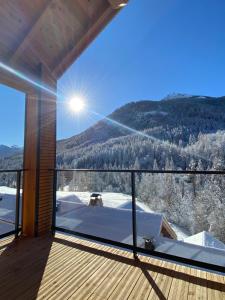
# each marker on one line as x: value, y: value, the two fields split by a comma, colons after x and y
x: 65, y: 267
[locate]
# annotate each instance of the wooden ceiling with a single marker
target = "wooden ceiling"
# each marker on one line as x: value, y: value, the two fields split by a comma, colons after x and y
x: 52, y: 33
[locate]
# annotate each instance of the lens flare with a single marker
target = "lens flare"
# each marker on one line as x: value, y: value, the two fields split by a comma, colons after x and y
x: 76, y: 104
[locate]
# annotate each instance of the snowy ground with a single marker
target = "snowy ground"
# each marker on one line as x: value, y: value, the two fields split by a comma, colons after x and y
x: 7, y: 209
x: 113, y: 200
x: 68, y: 200
x: 109, y: 199
x: 112, y: 221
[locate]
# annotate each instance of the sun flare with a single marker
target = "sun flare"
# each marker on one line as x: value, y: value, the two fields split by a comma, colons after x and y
x: 76, y: 104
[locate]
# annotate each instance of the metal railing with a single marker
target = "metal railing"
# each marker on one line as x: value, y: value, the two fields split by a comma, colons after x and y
x: 16, y: 222
x: 134, y: 247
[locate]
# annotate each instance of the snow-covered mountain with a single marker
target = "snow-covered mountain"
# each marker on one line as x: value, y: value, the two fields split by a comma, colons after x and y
x: 156, y: 127
x: 181, y: 132
x: 176, y: 127
x: 6, y: 151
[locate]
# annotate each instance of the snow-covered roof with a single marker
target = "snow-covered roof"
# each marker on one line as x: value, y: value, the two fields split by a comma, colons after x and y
x: 110, y: 223
x: 205, y: 239
x: 139, y: 206
x: 194, y: 252
x: 7, y: 190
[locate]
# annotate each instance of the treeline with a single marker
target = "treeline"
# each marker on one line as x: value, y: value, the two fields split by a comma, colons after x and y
x: 195, y: 202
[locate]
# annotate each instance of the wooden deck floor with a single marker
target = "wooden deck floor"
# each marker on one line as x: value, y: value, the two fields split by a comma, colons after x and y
x: 70, y: 268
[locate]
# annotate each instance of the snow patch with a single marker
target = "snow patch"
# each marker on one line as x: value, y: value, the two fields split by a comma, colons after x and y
x: 156, y: 112
x: 7, y: 190
x: 115, y: 200
x: 177, y: 96
x: 205, y: 239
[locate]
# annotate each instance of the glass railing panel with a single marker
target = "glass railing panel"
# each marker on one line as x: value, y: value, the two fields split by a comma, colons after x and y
x: 95, y: 203
x: 8, y: 190
x: 183, y: 215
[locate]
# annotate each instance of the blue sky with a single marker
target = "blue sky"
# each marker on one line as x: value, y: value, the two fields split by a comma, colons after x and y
x: 152, y: 48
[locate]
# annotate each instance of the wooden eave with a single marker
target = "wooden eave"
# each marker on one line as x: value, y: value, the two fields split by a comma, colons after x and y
x: 51, y: 33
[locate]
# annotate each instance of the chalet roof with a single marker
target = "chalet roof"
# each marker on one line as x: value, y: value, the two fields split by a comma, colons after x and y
x: 191, y: 251
x: 114, y: 224
x: 52, y: 33
x: 205, y: 239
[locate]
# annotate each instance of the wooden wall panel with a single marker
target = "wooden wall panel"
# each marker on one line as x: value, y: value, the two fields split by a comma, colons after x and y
x: 47, y: 155
x: 39, y: 159
x: 30, y: 157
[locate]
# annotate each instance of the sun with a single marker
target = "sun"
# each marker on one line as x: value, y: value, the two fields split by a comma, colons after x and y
x: 76, y: 104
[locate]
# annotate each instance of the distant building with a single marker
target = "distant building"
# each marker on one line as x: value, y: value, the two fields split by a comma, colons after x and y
x: 114, y: 223
x: 205, y: 239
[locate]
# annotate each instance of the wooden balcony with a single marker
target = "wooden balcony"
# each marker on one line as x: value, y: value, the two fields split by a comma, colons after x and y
x: 65, y: 267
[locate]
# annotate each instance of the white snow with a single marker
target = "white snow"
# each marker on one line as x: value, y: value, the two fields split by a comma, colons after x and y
x: 177, y: 96
x: 7, y: 206
x: 180, y: 231
x: 7, y: 190
x: 195, y: 252
x: 156, y: 112
x: 109, y: 222
x: 115, y: 200
x: 114, y: 221
x: 4, y: 212
x: 205, y: 239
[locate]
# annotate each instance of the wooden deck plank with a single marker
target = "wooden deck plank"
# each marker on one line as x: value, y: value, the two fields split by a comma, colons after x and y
x: 75, y: 277
x: 22, y: 262
x: 66, y: 267
x: 180, y: 287
x: 201, y: 290
x: 75, y: 282
x: 21, y: 272
x: 162, y: 282
x: 142, y: 288
x: 54, y: 269
x: 213, y: 291
x: 192, y: 286
x: 107, y: 287
x: 84, y: 291
x: 126, y: 284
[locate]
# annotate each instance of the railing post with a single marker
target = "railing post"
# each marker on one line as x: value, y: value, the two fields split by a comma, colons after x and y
x: 134, y: 223
x: 54, y: 201
x: 17, y: 215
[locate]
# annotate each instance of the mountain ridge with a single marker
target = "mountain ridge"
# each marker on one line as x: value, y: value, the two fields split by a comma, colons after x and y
x: 6, y: 151
x: 147, y: 114
x: 173, y: 124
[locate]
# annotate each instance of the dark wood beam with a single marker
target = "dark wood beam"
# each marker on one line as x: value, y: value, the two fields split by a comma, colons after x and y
x: 69, y: 57
x: 25, y: 40
x: 39, y: 158
x: 13, y: 81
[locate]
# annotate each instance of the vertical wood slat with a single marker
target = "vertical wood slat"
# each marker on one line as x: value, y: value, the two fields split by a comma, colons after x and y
x: 30, y: 156
x: 47, y: 154
x: 39, y: 158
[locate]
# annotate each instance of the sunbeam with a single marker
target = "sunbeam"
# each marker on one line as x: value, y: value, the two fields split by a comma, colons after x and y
x: 116, y: 123
x: 78, y: 105
x: 27, y: 79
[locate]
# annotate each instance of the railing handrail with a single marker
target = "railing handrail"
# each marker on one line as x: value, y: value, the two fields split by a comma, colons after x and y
x: 203, y: 172
x: 11, y: 170
x: 18, y: 196
x: 134, y: 247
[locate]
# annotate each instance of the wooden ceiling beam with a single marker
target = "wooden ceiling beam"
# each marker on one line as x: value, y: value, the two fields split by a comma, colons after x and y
x: 117, y: 4
x: 14, y: 82
x: 25, y: 40
x: 87, y: 38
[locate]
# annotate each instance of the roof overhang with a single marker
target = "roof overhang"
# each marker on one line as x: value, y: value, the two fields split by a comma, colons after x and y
x: 51, y: 33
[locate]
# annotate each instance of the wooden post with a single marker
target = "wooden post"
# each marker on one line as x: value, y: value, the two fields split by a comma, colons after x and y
x: 39, y: 158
